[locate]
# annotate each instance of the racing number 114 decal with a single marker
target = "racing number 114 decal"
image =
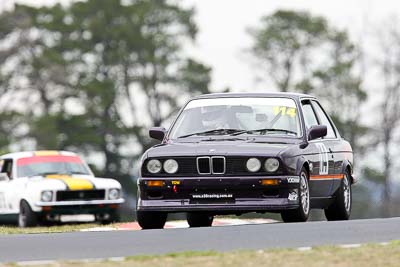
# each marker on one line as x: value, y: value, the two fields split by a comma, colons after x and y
x: 323, y: 159
x: 285, y: 111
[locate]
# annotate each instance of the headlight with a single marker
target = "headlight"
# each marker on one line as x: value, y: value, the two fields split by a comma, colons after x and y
x: 171, y: 166
x: 113, y: 193
x: 271, y: 165
x: 253, y: 165
x: 46, y: 196
x: 154, y: 166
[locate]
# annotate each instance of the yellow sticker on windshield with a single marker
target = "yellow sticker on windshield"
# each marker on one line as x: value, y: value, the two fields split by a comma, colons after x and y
x: 285, y: 111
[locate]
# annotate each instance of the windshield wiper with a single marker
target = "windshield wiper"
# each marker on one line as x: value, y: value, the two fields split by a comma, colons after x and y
x: 47, y: 173
x: 264, y: 131
x: 215, y: 131
x: 77, y: 172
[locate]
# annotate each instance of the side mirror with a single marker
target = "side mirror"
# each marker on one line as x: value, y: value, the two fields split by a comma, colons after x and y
x: 4, y: 176
x: 157, y: 133
x: 317, y: 131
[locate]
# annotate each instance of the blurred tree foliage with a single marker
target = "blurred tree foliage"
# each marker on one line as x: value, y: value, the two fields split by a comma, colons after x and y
x: 388, y: 122
x: 284, y: 43
x: 301, y: 52
x: 93, y: 76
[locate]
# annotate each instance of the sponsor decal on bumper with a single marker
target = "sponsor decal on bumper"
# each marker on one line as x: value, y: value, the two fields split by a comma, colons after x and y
x: 206, y: 196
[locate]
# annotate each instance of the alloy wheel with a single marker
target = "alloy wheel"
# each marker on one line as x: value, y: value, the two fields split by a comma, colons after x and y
x: 347, y: 193
x: 304, y: 193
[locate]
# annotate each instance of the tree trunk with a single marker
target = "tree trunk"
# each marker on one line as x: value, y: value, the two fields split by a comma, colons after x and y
x: 284, y: 86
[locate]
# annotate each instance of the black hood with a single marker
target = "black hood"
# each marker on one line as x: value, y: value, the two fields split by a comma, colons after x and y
x: 221, y: 147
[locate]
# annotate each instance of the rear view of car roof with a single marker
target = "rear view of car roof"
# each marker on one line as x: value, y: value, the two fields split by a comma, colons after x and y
x: 267, y: 94
x: 38, y: 153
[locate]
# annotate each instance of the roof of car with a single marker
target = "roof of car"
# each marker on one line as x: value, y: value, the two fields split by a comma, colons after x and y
x: 265, y: 94
x: 17, y: 155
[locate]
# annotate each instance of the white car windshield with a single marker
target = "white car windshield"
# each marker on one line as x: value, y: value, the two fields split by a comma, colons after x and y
x: 270, y: 116
x: 47, y: 165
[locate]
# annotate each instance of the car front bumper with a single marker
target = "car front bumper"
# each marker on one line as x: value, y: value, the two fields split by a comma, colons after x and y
x: 78, y: 203
x: 218, y: 194
x: 94, y: 207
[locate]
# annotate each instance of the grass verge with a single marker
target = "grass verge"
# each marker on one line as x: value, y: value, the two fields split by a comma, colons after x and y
x: 327, y: 256
x: 50, y: 229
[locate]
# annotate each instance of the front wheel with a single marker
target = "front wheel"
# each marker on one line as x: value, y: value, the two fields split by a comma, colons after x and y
x: 111, y: 218
x: 340, y: 209
x: 303, y: 211
x: 199, y: 219
x: 26, y: 217
x: 151, y: 219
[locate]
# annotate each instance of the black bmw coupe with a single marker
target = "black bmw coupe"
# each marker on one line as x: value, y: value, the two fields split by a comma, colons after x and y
x: 234, y: 153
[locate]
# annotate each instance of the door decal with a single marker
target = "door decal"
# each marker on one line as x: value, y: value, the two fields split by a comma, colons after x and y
x: 325, y: 177
x: 323, y: 159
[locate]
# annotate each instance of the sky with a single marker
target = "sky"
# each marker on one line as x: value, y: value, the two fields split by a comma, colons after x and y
x: 222, y: 40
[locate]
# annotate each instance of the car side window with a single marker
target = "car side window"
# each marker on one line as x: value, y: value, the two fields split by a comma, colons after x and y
x: 7, y: 167
x: 309, y: 116
x: 324, y: 120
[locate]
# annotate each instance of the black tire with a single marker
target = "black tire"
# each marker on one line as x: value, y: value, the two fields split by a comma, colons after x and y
x: 340, y: 209
x: 302, y: 213
x: 47, y: 223
x: 151, y: 219
x: 26, y: 217
x: 113, y: 218
x: 199, y: 219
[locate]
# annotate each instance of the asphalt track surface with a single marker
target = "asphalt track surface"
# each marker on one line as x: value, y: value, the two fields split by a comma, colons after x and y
x: 87, y: 245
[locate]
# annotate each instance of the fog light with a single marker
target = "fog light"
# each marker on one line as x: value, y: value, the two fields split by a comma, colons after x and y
x: 155, y: 183
x: 270, y: 182
x: 46, y: 208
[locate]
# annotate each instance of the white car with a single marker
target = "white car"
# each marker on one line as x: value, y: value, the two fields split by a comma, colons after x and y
x: 46, y: 186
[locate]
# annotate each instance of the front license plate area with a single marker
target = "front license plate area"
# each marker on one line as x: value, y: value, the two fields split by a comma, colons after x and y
x: 77, y: 218
x: 212, y: 198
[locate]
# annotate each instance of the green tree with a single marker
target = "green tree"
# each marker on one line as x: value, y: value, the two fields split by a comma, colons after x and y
x: 341, y: 90
x: 17, y: 46
x: 284, y: 43
x: 98, y: 73
x: 389, y: 108
x: 301, y: 52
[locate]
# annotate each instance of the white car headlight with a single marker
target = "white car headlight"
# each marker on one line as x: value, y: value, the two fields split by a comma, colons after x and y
x: 154, y: 166
x: 46, y: 196
x: 271, y: 165
x: 253, y: 165
x: 113, y: 193
x: 171, y: 166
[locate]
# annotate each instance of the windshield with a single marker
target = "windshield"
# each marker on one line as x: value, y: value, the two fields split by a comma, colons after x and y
x: 231, y: 116
x: 46, y: 165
